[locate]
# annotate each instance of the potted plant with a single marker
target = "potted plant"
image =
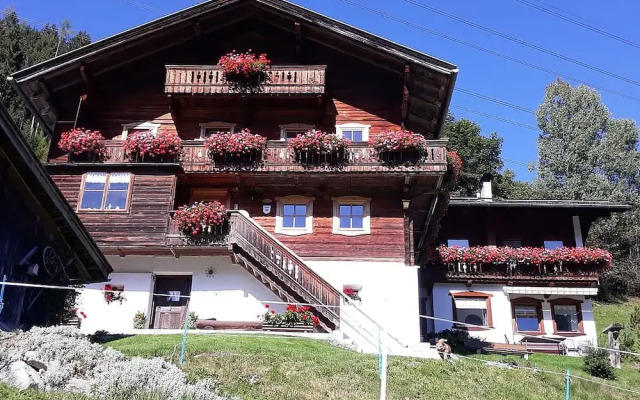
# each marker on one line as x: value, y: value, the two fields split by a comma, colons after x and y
x: 112, y: 294
x: 399, y: 146
x: 244, y: 71
x: 139, y: 320
x: 82, y: 145
x: 242, y: 148
x: 293, y: 319
x: 202, y: 221
x: 318, y: 147
x: 145, y: 146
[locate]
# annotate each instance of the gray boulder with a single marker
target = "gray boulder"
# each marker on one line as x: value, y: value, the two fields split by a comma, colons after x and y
x: 31, y: 358
x: 20, y: 375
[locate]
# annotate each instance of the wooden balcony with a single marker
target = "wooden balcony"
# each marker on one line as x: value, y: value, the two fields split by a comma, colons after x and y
x: 284, y: 80
x: 218, y: 236
x: 277, y: 157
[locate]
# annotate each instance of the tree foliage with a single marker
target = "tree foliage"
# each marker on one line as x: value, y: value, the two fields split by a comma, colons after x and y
x: 586, y: 154
x: 480, y: 155
x: 20, y: 47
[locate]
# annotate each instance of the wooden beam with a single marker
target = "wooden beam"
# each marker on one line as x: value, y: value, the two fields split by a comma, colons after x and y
x: 405, y: 93
x: 83, y: 73
x: 196, y: 29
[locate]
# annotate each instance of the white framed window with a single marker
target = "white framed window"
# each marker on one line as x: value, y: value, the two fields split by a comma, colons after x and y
x: 290, y: 131
x: 351, y: 215
x: 105, y: 191
x: 208, y: 128
x: 294, y: 215
x: 472, y: 311
x: 553, y: 244
x: 354, y: 132
x: 139, y: 126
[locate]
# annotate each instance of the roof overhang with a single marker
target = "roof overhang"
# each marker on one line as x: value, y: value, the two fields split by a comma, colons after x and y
x: 429, y: 81
x: 90, y: 262
x: 562, y: 204
x: 551, y: 290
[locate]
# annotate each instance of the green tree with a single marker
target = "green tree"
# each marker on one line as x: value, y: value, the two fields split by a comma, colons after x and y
x: 20, y: 47
x: 586, y: 154
x: 480, y: 155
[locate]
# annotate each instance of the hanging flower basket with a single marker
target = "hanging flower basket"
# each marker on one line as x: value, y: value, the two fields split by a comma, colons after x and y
x: 316, y: 147
x: 112, y: 295
x: 399, y: 147
x: 239, y: 149
x: 144, y: 146
x: 245, y: 71
x: 202, y: 221
x: 83, y: 145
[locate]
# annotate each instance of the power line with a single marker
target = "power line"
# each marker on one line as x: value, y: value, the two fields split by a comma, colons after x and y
x: 497, y: 118
x: 493, y: 99
x: 484, y: 49
x: 144, y: 6
x: 579, y: 23
x: 523, y: 42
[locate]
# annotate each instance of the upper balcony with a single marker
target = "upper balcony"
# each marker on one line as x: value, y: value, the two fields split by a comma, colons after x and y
x: 284, y: 80
x: 278, y: 157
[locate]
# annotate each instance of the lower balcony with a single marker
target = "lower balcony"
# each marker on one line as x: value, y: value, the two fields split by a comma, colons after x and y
x: 216, y: 236
x: 505, y: 264
x: 278, y: 157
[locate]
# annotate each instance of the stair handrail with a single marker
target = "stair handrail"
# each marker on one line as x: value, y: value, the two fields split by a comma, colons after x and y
x: 245, y: 215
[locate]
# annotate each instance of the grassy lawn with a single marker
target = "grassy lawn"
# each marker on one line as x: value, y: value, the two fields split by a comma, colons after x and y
x: 301, y: 369
x: 607, y: 313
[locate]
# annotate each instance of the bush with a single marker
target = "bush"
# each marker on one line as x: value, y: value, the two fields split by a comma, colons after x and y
x: 193, y: 320
x: 596, y: 363
x: 139, y: 320
x: 454, y: 337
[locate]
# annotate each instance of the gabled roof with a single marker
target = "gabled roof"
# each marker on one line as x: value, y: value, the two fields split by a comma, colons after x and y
x: 424, y: 75
x: 91, y: 262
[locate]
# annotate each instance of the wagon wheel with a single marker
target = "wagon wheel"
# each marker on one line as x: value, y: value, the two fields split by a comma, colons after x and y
x: 52, y: 263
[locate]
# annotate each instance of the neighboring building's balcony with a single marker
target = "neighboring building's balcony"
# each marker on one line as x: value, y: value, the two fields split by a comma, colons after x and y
x: 502, y: 264
x: 278, y: 157
x: 208, y: 80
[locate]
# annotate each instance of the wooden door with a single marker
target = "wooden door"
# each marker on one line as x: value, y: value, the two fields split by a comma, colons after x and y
x: 170, y: 311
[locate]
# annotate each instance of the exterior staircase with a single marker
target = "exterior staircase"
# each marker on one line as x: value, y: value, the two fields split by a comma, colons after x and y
x: 287, y: 276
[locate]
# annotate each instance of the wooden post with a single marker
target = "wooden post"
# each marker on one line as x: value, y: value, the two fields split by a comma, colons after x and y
x: 613, y: 333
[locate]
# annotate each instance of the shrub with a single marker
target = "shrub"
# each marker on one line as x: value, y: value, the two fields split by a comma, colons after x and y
x: 193, y: 319
x: 454, y: 337
x: 139, y: 320
x: 596, y: 363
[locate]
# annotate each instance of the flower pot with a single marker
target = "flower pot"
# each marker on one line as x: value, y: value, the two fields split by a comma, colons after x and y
x: 87, y: 156
x: 400, y: 156
x: 248, y: 158
x: 309, y: 157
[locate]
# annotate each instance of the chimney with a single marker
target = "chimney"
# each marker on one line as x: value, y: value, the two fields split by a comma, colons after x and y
x: 485, y: 186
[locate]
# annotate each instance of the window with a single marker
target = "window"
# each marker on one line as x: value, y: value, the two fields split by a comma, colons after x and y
x: 354, y: 132
x: 139, y: 126
x: 210, y: 128
x: 458, y: 242
x: 567, y: 316
x: 351, y: 215
x: 552, y: 244
x: 294, y: 215
x: 290, y: 131
x: 105, y: 191
x: 515, y: 243
x: 527, y: 315
x: 174, y: 296
x: 473, y: 308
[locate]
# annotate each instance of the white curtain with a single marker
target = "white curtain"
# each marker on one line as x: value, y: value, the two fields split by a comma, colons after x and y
x: 96, y: 177
x: 120, y: 177
x: 471, y: 304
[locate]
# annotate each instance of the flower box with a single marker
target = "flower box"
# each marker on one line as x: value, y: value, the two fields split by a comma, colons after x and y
x: 294, y: 319
x: 245, y: 71
x: 202, y: 223
x: 82, y: 145
x: 238, y: 149
x: 144, y: 146
x: 317, y: 147
x: 399, y: 147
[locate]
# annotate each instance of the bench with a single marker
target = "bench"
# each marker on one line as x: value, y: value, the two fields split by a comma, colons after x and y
x: 508, y: 349
x: 547, y: 348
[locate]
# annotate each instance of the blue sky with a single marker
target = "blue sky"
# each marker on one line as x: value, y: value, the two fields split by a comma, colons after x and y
x: 479, y: 72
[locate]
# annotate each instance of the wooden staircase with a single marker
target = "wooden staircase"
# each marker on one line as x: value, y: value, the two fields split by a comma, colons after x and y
x: 281, y: 270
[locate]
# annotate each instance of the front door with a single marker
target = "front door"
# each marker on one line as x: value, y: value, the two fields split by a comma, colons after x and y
x: 170, y: 310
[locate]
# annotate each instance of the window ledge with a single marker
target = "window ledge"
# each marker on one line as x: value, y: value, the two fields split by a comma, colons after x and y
x: 569, y: 334
x: 529, y: 333
x: 351, y: 233
x: 293, y: 232
x: 472, y: 328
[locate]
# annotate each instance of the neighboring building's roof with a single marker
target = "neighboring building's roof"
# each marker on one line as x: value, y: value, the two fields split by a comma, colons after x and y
x: 39, y: 184
x: 531, y: 203
x: 438, y: 75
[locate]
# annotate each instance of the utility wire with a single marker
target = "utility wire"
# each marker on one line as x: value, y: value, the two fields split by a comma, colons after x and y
x: 523, y: 42
x: 497, y: 118
x: 493, y: 99
x: 484, y: 49
x: 144, y: 6
x: 579, y: 23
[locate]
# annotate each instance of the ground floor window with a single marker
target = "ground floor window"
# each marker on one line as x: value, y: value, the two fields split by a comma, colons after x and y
x: 472, y: 308
x: 567, y: 316
x: 527, y: 315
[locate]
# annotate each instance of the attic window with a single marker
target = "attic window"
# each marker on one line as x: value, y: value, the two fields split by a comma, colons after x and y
x: 354, y: 132
x: 139, y: 127
x: 209, y: 128
x: 290, y: 131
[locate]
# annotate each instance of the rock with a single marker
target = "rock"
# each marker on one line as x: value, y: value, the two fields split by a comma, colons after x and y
x: 19, y: 374
x: 76, y: 385
x: 31, y: 358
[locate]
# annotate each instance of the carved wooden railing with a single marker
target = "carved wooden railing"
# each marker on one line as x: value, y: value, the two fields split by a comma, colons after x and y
x: 209, y: 80
x: 277, y: 157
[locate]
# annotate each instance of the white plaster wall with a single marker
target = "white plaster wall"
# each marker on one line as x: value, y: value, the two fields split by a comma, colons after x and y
x: 389, y: 292
x: 232, y: 294
x: 502, y: 313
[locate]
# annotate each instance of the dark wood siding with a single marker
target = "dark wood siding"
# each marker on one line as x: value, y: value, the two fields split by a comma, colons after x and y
x: 144, y: 224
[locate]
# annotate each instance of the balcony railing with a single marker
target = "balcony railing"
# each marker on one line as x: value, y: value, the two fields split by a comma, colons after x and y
x: 208, y: 80
x: 216, y: 236
x: 277, y: 157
